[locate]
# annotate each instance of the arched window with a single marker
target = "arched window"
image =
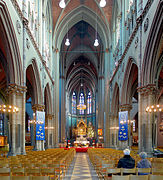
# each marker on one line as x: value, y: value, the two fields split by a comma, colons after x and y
x: 89, y: 103
x: 117, y: 29
x: 74, y: 103
x: 81, y: 102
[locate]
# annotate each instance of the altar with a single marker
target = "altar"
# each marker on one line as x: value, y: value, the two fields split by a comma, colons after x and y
x: 81, y: 140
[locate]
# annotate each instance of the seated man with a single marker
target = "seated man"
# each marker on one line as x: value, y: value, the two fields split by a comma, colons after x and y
x: 127, y: 161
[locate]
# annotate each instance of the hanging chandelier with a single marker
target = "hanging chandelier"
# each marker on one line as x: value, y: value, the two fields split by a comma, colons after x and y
x: 154, y: 108
x: 67, y: 43
x: 102, y: 3
x: 81, y: 106
x: 96, y: 43
x: 62, y: 4
x: 8, y: 108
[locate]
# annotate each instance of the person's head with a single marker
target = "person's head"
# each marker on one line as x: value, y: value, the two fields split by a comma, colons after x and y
x: 126, y: 152
x: 143, y: 155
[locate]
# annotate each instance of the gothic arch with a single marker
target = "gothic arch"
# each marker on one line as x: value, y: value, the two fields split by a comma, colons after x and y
x: 153, y: 49
x: 115, y: 100
x: 10, y: 46
x: 48, y: 99
x: 33, y: 75
x: 78, y: 14
x: 130, y: 78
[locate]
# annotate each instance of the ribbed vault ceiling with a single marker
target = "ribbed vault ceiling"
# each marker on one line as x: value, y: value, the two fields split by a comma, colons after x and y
x: 81, y: 59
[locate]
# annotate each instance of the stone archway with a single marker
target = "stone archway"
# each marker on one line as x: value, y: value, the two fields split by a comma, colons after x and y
x: 49, y: 124
x: 150, y: 73
x: 13, y: 82
x: 114, y: 124
x: 34, y: 98
x: 129, y: 98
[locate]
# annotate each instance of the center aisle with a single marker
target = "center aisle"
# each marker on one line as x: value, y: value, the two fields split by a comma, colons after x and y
x: 81, y: 168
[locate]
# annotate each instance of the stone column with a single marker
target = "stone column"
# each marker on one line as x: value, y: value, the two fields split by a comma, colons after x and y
x: 101, y: 104
x: 39, y: 144
x: 48, y: 131
x: 111, y: 117
x: 146, y: 119
x: 56, y: 99
x: 17, y: 120
x: 62, y: 110
x: 115, y: 130
x: 124, y: 144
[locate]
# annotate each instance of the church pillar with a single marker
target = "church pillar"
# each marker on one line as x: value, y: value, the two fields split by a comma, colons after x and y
x: 111, y: 117
x: 67, y: 115
x: 107, y: 98
x: 17, y: 120
x: 145, y: 119
x: 125, y: 144
x: 39, y: 144
x: 62, y: 110
x: 56, y: 99
x: 49, y: 131
x: 101, y: 104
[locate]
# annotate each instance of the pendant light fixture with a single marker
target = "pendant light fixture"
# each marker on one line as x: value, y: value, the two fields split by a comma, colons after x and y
x: 62, y: 4
x: 67, y: 43
x: 96, y: 43
x: 102, y: 3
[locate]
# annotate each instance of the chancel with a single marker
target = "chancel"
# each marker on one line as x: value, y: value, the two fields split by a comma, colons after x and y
x: 80, y: 82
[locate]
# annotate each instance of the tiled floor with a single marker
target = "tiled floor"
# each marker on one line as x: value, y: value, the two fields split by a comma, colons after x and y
x: 81, y: 169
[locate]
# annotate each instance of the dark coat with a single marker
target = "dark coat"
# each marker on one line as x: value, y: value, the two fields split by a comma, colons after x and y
x: 126, y: 162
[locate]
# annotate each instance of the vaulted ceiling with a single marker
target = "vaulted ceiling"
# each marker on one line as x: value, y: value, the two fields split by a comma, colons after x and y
x: 82, y: 60
x: 59, y: 13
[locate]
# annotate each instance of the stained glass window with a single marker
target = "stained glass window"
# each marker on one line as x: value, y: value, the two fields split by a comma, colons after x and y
x: 1, y: 125
x: 81, y: 101
x: 89, y: 103
x: 74, y: 103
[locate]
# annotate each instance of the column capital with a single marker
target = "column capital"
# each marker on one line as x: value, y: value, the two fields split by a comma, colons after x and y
x: 62, y: 77
x: 125, y: 107
x: 49, y: 116
x: 148, y: 89
x: 38, y: 107
x: 101, y: 77
x: 14, y: 88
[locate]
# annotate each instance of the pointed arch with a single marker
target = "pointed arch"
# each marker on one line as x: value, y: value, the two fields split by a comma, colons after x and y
x: 10, y: 45
x: 48, y: 99
x: 130, y: 77
x: 78, y: 14
x: 33, y: 76
x: 115, y: 100
x: 152, y: 60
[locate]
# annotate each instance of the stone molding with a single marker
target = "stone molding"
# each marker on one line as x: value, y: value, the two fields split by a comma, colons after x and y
x: 49, y: 116
x: 25, y: 22
x: 139, y: 21
x: 146, y: 90
x: 101, y: 77
x: 14, y: 88
x: 38, y: 107
x: 125, y: 107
